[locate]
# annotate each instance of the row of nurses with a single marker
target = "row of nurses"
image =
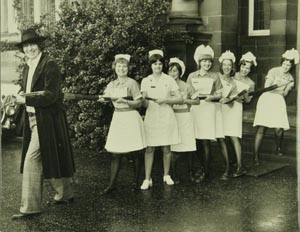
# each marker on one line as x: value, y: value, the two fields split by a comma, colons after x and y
x: 215, y: 119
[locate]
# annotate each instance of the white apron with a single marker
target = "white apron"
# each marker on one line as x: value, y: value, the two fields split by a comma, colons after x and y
x: 271, y: 111
x: 126, y: 132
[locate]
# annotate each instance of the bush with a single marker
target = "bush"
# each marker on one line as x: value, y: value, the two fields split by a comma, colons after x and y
x: 84, y: 42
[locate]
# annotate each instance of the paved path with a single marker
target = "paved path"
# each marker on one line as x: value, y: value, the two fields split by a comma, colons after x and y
x: 246, y: 204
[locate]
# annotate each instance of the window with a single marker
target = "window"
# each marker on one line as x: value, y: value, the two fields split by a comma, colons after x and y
x: 259, y: 18
x: 48, y: 7
x: 28, y: 10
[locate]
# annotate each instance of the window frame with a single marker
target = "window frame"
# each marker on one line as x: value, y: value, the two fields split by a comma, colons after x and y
x: 251, y: 31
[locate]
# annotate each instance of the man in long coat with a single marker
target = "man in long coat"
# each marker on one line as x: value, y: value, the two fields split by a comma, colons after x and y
x: 46, y: 151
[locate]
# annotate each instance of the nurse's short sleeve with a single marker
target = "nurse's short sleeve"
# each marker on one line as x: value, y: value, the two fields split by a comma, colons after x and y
x: 108, y: 89
x: 271, y: 75
x: 134, y: 90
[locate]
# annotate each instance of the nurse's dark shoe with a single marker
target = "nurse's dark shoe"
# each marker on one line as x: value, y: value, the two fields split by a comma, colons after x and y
x: 108, y: 190
x: 225, y: 176
x: 239, y: 172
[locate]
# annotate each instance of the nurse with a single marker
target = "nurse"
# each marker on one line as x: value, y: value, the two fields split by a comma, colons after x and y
x: 232, y: 113
x: 187, y: 147
x: 242, y: 79
x: 271, y: 107
x: 126, y: 132
x: 160, y: 121
x: 205, y: 84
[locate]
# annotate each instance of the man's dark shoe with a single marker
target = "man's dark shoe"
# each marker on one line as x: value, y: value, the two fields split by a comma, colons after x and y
x: 23, y: 215
x: 61, y: 202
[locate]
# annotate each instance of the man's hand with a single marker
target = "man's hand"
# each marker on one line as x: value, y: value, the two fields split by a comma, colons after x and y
x: 20, y: 100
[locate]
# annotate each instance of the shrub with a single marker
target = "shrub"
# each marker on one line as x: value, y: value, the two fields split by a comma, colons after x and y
x: 84, y: 42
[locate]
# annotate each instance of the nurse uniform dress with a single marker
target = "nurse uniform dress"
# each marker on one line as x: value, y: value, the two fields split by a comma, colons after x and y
x: 160, y: 121
x: 271, y: 107
x: 232, y: 114
x: 184, y: 121
x: 126, y: 132
x: 204, y: 115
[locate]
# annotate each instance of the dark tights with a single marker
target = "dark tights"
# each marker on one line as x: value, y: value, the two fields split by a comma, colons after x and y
x: 278, y: 134
x: 224, y: 151
x: 205, y: 158
x: 116, y: 165
x: 174, y: 162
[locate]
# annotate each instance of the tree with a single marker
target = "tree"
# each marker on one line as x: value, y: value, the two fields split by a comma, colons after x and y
x: 84, y: 42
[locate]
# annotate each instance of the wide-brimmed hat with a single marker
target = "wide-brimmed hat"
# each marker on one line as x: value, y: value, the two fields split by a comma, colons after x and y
x: 29, y: 36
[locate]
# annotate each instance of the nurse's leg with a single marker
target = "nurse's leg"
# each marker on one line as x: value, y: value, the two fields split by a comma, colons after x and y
x: 257, y: 143
x: 224, y: 151
x: 278, y: 133
x: 206, y: 146
x: 114, y: 170
x: 149, y: 155
x: 167, y: 163
x: 174, y: 158
x: 199, y: 145
x: 190, y: 157
x: 137, y: 157
x: 166, y: 159
x: 238, y: 152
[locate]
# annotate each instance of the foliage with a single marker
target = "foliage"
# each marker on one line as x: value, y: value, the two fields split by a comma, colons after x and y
x: 84, y: 42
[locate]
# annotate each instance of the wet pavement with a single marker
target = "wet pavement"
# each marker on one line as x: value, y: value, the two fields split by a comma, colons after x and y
x: 246, y: 204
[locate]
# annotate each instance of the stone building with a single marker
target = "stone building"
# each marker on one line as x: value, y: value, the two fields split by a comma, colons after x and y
x: 265, y: 27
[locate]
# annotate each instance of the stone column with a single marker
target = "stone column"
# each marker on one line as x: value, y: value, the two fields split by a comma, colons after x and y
x: 12, y: 18
x: 185, y: 17
x: 4, y: 17
x: 57, y: 9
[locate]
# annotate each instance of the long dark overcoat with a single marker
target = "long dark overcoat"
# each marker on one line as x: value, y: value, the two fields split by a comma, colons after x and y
x: 55, y: 147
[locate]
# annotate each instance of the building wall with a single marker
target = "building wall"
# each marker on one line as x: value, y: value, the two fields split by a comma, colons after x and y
x: 268, y: 49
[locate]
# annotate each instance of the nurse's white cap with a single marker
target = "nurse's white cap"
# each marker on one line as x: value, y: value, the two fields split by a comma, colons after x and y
x: 249, y: 57
x: 291, y: 55
x: 156, y: 52
x: 203, y: 53
x: 180, y: 62
x: 228, y: 55
x: 122, y: 56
